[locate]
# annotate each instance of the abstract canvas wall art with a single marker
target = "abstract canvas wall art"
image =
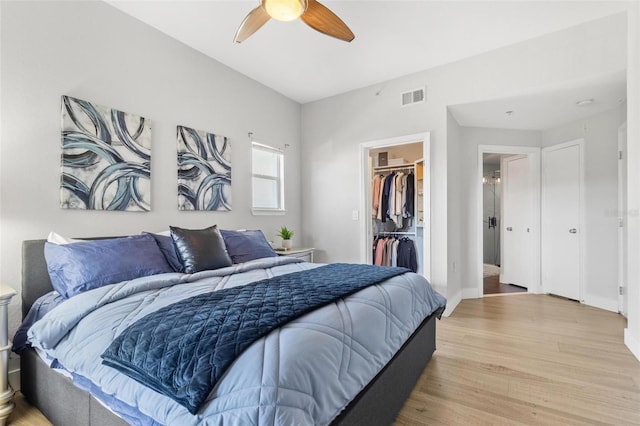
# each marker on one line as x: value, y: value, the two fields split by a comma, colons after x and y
x: 204, y: 171
x: 106, y: 158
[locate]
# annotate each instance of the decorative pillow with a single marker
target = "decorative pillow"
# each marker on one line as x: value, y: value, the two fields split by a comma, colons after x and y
x: 56, y: 238
x: 85, y: 265
x: 244, y: 246
x: 200, y: 249
x: 168, y: 249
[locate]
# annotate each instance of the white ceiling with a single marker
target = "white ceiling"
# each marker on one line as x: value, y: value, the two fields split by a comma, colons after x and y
x: 547, y: 109
x: 393, y: 38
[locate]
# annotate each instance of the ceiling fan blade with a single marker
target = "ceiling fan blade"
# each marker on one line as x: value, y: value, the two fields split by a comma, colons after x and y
x: 320, y: 18
x: 251, y: 23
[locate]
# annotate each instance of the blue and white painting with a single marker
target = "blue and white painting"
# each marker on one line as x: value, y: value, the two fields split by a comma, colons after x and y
x: 106, y: 158
x: 204, y: 171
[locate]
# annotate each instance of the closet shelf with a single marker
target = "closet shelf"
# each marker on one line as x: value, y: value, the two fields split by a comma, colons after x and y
x: 398, y: 167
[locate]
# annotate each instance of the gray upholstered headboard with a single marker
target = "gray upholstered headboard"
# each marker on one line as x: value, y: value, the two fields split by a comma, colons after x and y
x: 35, y: 278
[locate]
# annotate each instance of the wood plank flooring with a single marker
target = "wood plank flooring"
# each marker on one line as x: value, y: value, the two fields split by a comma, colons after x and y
x: 492, y: 285
x: 514, y: 360
x: 527, y: 359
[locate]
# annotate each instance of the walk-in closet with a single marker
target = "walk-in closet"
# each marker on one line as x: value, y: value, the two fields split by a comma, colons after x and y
x: 397, y: 208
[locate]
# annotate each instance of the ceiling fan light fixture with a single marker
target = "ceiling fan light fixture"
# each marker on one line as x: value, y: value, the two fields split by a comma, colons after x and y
x: 284, y: 10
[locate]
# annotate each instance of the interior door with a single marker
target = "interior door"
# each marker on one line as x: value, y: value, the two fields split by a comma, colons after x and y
x: 516, y: 221
x: 561, y: 219
x: 622, y: 218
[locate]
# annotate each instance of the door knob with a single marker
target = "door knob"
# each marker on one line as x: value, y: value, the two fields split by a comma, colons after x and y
x: 509, y: 228
x: 573, y: 231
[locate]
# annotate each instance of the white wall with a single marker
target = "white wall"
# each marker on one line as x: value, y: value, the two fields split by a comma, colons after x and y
x: 332, y: 129
x: 632, y: 332
x: 94, y: 52
x: 600, y: 134
x: 456, y: 234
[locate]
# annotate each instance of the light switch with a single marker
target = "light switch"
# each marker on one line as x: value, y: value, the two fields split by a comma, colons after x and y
x: 355, y: 215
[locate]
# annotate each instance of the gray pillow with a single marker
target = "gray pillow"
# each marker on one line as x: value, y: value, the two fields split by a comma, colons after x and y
x: 200, y: 249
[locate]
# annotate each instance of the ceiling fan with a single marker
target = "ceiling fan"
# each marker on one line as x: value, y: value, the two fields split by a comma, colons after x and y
x: 311, y: 12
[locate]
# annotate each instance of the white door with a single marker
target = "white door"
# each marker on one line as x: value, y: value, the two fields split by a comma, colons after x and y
x: 561, y: 219
x: 622, y: 218
x: 516, y: 221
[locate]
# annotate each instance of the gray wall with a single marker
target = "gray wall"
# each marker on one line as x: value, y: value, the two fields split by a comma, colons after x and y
x: 94, y: 52
x: 333, y: 128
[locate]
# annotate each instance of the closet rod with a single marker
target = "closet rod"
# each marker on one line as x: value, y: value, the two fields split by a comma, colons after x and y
x: 395, y: 233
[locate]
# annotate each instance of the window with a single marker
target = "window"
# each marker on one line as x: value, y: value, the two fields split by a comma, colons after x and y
x: 267, y: 166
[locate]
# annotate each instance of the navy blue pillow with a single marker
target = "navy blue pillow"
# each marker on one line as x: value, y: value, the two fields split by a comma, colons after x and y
x: 200, y: 249
x: 168, y: 249
x: 244, y: 246
x: 78, y: 267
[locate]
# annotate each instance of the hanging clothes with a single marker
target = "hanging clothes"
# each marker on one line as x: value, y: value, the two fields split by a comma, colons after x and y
x: 384, y: 197
x: 375, y: 194
x: 393, y: 197
x: 393, y: 202
x: 392, y: 251
x: 409, y: 207
x: 392, y: 194
x: 407, y: 254
x: 378, y: 252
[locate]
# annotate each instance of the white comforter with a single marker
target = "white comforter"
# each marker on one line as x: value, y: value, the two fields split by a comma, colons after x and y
x: 303, y: 373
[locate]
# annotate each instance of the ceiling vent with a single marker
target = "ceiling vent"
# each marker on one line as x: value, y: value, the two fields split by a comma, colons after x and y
x: 415, y: 96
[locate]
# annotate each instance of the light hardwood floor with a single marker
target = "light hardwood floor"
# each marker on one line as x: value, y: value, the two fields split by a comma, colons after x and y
x: 515, y: 359
x: 527, y: 359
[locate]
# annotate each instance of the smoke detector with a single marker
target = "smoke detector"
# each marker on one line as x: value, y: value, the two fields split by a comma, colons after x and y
x: 585, y: 102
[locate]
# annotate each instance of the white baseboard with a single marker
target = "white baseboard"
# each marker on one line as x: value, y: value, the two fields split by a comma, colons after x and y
x: 452, y: 302
x: 601, y: 302
x: 632, y: 343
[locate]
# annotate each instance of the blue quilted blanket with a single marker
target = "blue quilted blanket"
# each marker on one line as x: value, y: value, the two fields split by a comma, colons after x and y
x: 182, y: 350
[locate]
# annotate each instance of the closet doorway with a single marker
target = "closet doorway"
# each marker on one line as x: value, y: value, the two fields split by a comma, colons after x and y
x: 498, y: 228
x: 406, y: 158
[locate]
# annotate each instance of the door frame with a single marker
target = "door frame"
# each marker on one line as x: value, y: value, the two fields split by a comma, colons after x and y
x: 581, y: 217
x: 533, y: 153
x: 366, y: 232
x: 622, y: 220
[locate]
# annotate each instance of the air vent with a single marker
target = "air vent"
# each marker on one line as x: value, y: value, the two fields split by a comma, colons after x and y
x: 413, y: 97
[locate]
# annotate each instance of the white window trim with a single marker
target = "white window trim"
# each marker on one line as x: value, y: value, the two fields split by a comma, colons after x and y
x: 267, y: 211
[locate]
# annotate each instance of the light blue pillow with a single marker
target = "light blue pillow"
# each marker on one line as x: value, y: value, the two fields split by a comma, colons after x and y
x: 78, y: 267
x: 244, y: 246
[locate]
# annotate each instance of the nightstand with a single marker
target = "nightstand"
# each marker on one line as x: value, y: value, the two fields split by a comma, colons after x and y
x: 6, y: 393
x: 304, y: 253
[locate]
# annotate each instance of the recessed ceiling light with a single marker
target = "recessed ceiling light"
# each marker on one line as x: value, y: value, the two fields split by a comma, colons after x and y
x: 585, y: 102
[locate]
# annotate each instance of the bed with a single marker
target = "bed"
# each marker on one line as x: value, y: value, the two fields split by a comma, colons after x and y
x: 65, y: 402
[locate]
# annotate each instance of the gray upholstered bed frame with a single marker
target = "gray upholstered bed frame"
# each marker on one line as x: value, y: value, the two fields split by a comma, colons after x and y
x: 65, y: 404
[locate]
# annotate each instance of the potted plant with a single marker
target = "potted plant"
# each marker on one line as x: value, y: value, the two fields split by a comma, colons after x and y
x: 286, y: 235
